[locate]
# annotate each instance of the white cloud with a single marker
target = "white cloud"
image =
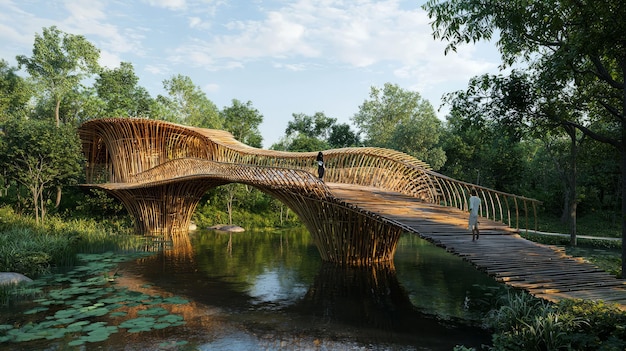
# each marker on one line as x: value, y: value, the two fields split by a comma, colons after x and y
x: 89, y: 18
x: 85, y: 11
x: 198, y: 23
x: 169, y: 4
x: 157, y: 69
x: 211, y: 88
x: 360, y: 34
x: 109, y: 59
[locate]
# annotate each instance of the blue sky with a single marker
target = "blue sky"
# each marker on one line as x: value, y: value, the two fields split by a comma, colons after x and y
x: 300, y: 56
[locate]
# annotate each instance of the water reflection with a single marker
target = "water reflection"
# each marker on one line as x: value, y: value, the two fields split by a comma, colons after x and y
x: 275, y: 282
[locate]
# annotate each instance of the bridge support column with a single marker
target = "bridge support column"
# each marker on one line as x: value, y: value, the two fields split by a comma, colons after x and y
x: 164, y: 209
x: 347, y: 236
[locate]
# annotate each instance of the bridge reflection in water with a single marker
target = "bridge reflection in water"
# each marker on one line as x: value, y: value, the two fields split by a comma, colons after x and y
x: 372, y: 299
x: 294, y: 295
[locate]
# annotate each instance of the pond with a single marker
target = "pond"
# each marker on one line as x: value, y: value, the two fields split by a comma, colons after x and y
x: 259, y: 290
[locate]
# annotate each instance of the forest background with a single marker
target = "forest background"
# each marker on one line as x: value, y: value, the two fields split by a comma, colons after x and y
x: 515, y: 133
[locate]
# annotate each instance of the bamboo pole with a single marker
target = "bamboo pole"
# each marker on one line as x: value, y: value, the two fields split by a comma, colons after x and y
x: 160, y: 170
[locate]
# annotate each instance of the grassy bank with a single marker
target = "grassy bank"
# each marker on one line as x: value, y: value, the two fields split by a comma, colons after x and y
x: 36, y: 249
x: 596, y: 224
x: 592, y: 245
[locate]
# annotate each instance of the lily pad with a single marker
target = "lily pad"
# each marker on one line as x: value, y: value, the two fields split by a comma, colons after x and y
x: 36, y: 310
x: 175, y: 300
x: 139, y: 324
x: 155, y: 311
x: 77, y: 326
x: 76, y: 342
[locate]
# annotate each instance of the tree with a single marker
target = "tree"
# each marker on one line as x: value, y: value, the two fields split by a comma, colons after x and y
x: 315, y: 133
x: 122, y: 96
x: 41, y: 157
x: 81, y: 105
x: 518, y: 108
x: 482, y: 151
x: 306, y: 133
x: 341, y: 135
x: 316, y: 126
x: 576, y: 44
x: 399, y: 119
x: 14, y: 93
x: 59, y: 63
x: 188, y: 104
x: 243, y: 120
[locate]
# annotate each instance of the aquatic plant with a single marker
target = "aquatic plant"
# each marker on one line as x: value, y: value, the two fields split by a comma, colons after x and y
x: 85, y: 306
x: 33, y: 250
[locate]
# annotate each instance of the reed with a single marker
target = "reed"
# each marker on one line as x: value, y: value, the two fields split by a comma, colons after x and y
x: 33, y: 250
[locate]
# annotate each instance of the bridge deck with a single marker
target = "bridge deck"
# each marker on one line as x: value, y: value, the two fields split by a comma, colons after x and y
x: 542, y: 270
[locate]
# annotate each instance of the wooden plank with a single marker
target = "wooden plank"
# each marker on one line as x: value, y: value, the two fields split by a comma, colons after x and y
x: 543, y: 270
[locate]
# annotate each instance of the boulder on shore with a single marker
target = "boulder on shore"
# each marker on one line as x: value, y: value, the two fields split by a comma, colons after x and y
x: 8, y: 278
x: 227, y: 228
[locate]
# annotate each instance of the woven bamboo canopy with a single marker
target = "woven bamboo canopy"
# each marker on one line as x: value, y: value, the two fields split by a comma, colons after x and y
x: 160, y: 170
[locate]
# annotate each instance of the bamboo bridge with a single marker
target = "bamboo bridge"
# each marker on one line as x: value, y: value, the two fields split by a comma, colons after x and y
x: 368, y: 198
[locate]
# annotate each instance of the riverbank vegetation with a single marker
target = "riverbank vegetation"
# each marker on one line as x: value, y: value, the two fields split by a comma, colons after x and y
x: 523, y: 322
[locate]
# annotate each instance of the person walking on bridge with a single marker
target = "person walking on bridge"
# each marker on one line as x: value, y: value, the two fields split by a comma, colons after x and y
x: 320, y: 165
x: 474, y: 206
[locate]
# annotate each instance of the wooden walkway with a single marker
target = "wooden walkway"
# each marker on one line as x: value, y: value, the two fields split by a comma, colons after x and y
x: 542, y: 270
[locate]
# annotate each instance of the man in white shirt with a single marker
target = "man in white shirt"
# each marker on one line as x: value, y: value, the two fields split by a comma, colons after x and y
x: 474, y: 206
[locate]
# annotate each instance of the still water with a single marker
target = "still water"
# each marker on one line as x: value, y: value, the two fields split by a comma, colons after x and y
x: 269, y: 290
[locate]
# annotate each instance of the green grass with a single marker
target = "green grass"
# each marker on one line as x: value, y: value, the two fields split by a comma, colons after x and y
x: 34, y: 250
x: 595, y: 224
x: 605, y: 254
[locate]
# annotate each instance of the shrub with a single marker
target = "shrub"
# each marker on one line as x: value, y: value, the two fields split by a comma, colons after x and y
x: 526, y: 323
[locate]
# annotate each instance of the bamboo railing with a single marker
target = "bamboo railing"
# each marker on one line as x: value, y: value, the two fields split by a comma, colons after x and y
x: 160, y: 170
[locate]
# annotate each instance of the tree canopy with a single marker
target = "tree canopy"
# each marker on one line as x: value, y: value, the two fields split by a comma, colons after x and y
x: 577, y: 48
x: 40, y: 157
x: 121, y: 94
x: 400, y: 119
x: 187, y: 104
x: 14, y: 92
x: 59, y: 62
x: 315, y: 133
x: 242, y: 121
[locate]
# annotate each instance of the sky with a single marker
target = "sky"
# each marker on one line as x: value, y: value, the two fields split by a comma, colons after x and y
x: 284, y: 56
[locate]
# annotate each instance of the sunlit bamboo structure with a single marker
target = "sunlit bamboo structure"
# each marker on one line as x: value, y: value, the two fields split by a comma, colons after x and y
x: 160, y: 170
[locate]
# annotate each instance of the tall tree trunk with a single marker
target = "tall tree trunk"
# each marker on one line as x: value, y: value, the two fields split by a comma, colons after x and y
x: 57, y: 109
x: 57, y: 203
x: 57, y: 119
x: 230, y: 198
x: 623, y: 194
x: 573, y: 198
x: 42, y: 203
x: 623, y: 169
x: 36, y: 204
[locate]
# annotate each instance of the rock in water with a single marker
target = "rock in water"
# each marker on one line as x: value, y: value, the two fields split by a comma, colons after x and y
x: 232, y: 229
x: 227, y: 228
x: 8, y: 278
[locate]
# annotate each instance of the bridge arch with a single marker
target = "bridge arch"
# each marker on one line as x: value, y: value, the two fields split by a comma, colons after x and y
x: 160, y: 170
